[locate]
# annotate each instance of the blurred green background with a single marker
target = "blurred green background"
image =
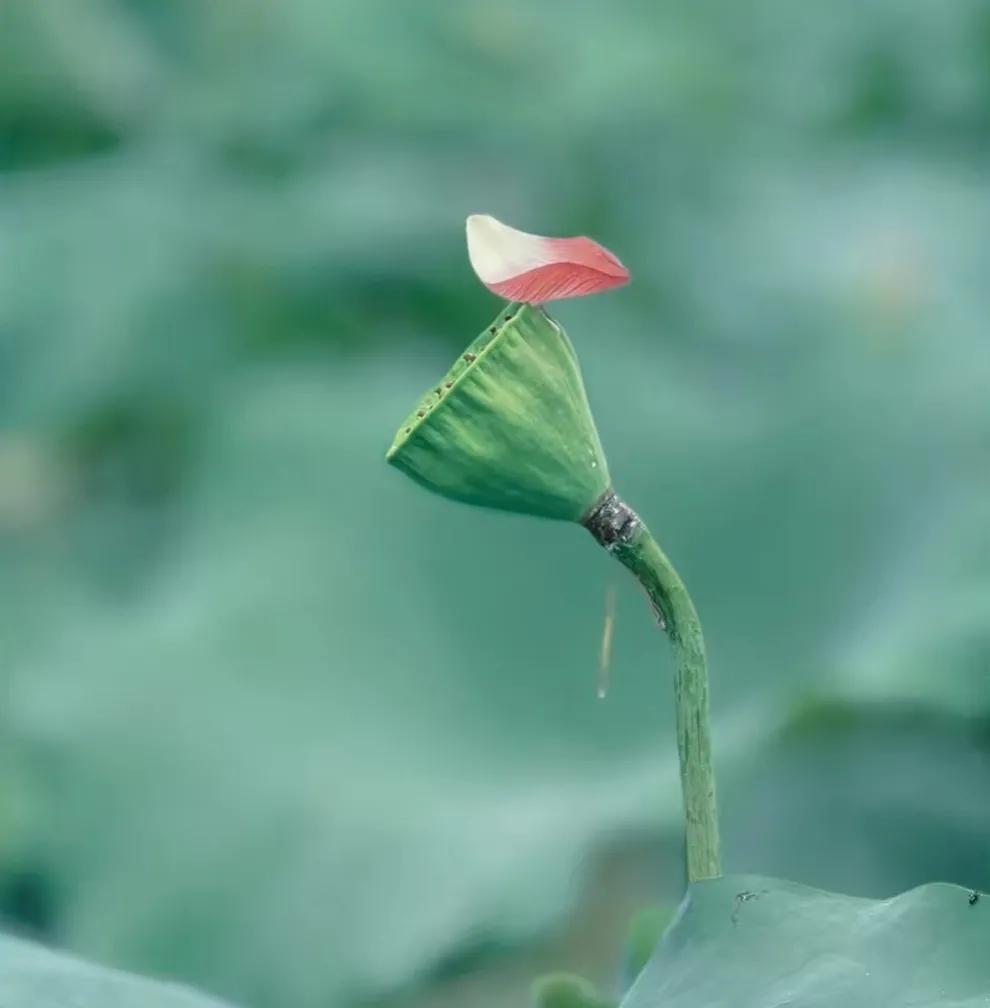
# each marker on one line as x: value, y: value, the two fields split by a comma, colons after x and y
x: 277, y: 722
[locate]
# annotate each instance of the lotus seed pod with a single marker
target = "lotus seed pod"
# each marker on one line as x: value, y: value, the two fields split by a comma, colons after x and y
x: 509, y: 425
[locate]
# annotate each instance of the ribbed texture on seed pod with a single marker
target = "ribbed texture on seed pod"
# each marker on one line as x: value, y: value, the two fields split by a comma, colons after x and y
x: 509, y: 426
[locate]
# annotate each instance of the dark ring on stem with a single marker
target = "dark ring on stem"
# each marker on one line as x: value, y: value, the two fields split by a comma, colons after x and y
x: 611, y: 521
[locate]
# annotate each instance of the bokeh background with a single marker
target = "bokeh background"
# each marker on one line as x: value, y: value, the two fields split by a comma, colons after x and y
x: 278, y: 723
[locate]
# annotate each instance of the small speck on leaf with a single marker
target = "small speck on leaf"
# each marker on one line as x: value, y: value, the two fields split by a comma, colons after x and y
x: 741, y: 898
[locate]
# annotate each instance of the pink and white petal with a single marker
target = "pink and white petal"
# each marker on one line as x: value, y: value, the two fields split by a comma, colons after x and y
x: 533, y: 268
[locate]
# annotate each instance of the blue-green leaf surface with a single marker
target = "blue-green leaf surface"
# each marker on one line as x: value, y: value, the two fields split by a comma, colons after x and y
x: 34, y: 977
x: 745, y: 941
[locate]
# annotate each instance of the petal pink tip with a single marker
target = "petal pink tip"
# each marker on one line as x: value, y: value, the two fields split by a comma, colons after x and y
x: 532, y: 268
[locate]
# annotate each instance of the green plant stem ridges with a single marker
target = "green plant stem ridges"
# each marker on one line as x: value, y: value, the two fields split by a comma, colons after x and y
x: 643, y: 556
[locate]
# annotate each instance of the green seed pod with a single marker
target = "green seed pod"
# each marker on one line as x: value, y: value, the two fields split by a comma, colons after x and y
x: 509, y: 426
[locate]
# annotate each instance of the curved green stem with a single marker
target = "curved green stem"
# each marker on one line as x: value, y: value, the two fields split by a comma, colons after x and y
x: 624, y: 535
